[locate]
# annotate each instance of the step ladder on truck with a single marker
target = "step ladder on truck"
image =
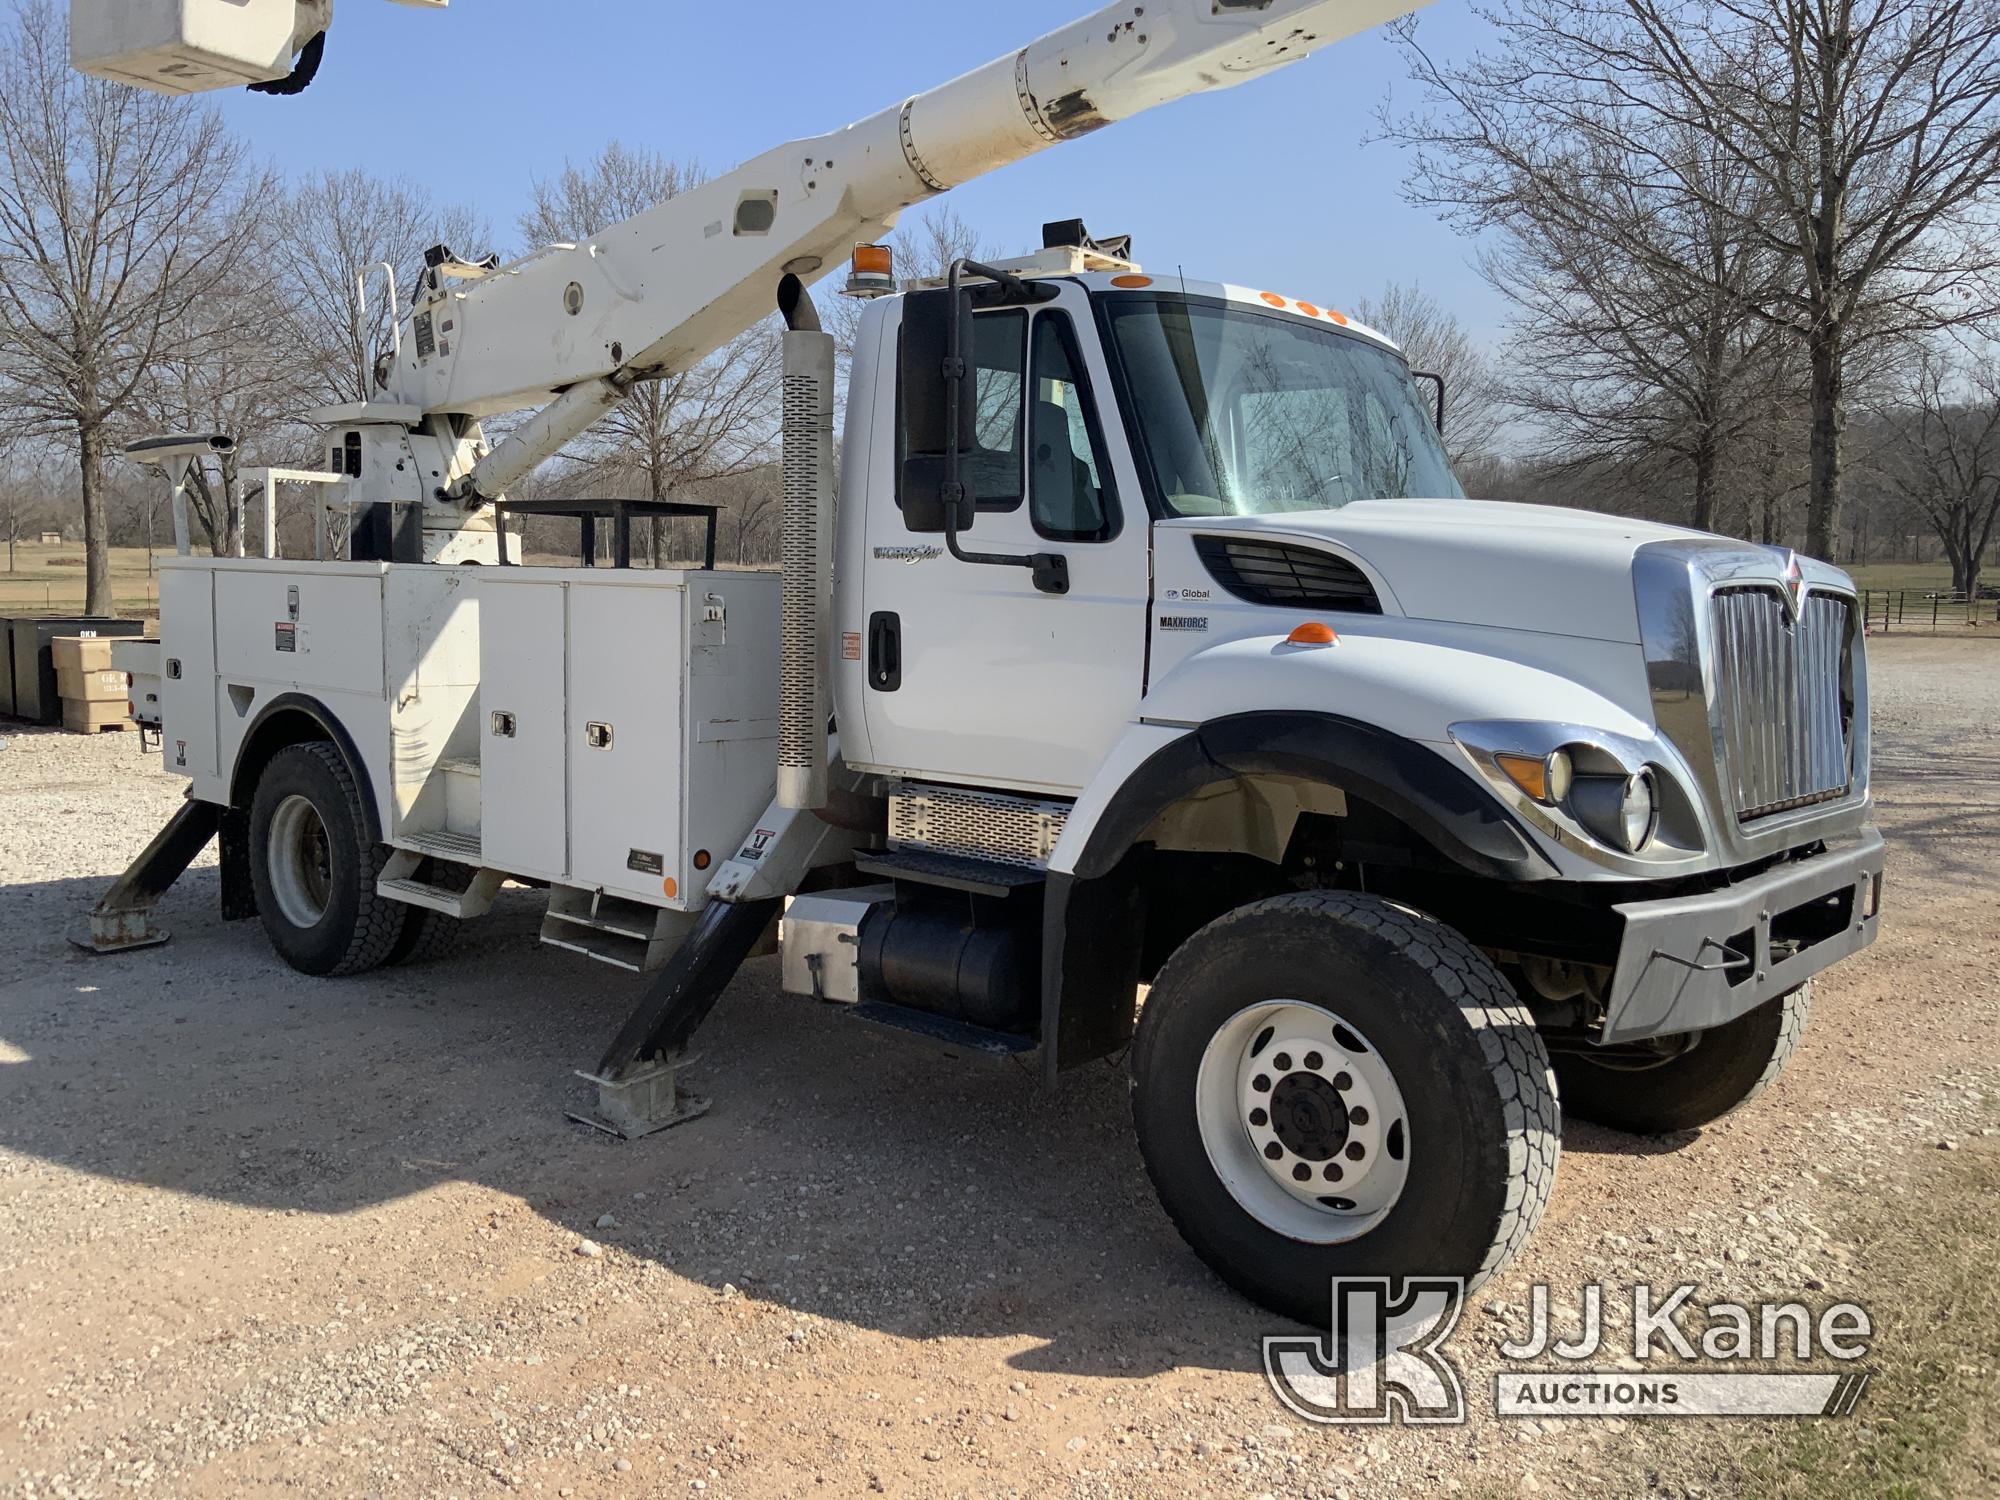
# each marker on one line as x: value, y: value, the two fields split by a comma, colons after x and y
x: 1138, y: 681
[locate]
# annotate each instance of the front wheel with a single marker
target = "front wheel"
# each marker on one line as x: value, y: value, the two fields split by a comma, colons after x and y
x: 1328, y: 1085
x: 314, y: 867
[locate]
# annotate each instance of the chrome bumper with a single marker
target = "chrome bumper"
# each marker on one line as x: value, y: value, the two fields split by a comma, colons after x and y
x: 1693, y: 962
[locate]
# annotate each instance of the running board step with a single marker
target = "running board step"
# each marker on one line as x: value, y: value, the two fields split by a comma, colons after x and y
x: 398, y: 882
x: 953, y: 872
x: 441, y: 843
x: 962, y: 1038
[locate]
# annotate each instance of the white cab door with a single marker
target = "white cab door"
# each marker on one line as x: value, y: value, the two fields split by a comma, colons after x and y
x: 997, y: 682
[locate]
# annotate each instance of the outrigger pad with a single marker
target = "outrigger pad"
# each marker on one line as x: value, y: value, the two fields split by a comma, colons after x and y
x: 648, y: 1098
x: 122, y: 921
x: 638, y: 1092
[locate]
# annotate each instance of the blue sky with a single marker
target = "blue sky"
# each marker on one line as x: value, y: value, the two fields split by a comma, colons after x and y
x: 1268, y: 184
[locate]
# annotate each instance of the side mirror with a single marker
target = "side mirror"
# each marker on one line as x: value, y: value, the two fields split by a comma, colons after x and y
x: 928, y: 396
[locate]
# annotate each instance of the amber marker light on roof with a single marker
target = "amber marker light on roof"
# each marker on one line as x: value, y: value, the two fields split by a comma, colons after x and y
x: 1308, y: 309
x: 1273, y: 298
x: 1132, y: 283
x: 1313, y: 633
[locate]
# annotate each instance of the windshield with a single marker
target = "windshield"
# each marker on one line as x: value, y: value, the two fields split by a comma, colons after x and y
x: 1241, y: 413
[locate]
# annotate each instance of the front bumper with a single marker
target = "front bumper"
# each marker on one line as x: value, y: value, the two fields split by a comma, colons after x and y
x: 1693, y: 962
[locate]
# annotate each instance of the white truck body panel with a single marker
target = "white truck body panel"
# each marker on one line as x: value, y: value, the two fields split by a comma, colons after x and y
x: 644, y: 733
x: 523, y: 733
x: 414, y: 661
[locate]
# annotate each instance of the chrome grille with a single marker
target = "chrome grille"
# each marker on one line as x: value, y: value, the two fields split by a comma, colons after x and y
x: 1781, y: 703
x: 1007, y: 830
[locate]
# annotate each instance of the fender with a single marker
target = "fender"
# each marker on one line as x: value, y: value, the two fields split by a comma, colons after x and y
x: 334, y: 730
x: 1440, y: 802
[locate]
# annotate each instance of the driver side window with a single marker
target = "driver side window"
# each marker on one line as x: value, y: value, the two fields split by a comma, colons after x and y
x: 1070, y: 493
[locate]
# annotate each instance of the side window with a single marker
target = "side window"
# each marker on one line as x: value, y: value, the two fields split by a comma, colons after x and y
x: 1070, y: 494
x: 991, y: 452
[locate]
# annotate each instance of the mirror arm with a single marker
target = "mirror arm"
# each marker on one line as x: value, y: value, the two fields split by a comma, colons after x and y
x: 1438, y: 380
x: 1051, y: 569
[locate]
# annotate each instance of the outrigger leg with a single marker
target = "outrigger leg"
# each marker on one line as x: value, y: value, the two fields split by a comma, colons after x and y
x: 122, y: 921
x: 638, y: 1091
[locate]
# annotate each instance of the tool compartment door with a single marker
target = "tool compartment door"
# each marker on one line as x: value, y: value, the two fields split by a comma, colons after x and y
x: 627, y: 676
x: 523, y: 819
x: 188, y: 691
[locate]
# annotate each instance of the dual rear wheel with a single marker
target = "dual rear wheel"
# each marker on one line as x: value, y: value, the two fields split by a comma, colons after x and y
x: 314, y: 868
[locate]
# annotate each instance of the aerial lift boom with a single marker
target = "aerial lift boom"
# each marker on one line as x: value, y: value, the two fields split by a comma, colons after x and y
x: 571, y: 329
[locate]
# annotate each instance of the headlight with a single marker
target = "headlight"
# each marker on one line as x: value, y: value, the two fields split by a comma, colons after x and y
x: 1621, y: 811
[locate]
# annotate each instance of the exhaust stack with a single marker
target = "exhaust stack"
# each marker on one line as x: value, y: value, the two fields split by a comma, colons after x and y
x: 807, y: 549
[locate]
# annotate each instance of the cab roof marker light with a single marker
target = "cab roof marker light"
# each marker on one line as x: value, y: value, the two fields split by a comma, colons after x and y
x: 1313, y: 633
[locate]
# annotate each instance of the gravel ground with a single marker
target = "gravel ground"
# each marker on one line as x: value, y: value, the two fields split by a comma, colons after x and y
x: 261, y: 1233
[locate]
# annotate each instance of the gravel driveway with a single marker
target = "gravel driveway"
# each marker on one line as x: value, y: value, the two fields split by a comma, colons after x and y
x: 262, y: 1233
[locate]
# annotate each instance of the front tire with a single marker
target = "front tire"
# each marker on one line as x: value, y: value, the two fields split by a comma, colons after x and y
x: 1726, y: 1068
x: 314, y: 866
x: 1328, y: 1085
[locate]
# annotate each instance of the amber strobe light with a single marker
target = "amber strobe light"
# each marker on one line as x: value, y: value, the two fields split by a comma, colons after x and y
x: 873, y: 273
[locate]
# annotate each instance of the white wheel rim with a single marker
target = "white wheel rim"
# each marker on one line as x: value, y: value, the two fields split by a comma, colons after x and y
x: 1303, y: 1122
x: 299, y: 861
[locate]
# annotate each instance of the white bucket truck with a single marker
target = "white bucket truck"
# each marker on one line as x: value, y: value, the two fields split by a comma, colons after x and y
x: 1141, y: 684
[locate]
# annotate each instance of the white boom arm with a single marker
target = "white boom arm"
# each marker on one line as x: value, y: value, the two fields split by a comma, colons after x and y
x: 584, y: 323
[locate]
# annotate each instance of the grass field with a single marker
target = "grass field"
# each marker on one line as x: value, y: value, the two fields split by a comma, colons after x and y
x: 49, y: 580
x: 1918, y: 577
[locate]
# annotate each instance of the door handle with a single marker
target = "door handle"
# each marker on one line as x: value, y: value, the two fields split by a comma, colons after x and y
x: 885, y: 651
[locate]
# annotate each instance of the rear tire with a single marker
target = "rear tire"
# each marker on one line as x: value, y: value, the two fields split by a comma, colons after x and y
x: 1727, y: 1068
x: 427, y: 934
x: 1412, y: 1126
x: 314, y: 866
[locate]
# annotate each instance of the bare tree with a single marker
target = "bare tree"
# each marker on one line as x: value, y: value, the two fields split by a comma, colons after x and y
x: 228, y: 367
x: 711, y: 420
x: 1941, y: 453
x: 1436, y: 343
x: 23, y: 501
x: 1635, y: 299
x: 334, y: 228
x: 1865, y: 126
x: 119, y: 212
